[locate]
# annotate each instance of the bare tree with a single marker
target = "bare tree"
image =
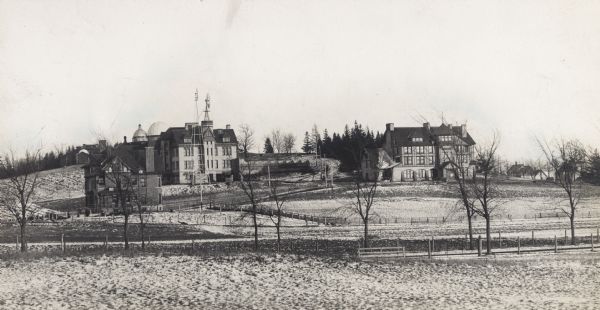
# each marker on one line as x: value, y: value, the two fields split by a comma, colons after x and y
x: 277, y: 138
x: 566, y: 158
x: 277, y: 215
x: 246, y: 138
x: 364, y: 195
x: 458, y: 159
x: 19, y: 188
x: 484, y: 186
x: 288, y: 142
x: 119, y: 177
x: 249, y: 183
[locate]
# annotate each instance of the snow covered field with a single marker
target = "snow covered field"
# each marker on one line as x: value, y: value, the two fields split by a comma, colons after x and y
x: 564, y: 281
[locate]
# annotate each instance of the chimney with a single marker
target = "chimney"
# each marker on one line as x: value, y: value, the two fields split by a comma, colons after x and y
x: 125, y: 139
x: 463, y: 130
x: 389, y: 126
x: 227, y: 126
x: 426, y: 126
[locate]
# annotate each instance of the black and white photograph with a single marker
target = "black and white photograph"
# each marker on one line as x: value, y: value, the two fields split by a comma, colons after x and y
x: 288, y: 154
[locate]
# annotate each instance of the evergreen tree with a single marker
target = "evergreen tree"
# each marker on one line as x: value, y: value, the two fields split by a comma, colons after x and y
x: 591, y: 172
x: 307, y: 145
x: 268, y: 146
x: 327, y: 144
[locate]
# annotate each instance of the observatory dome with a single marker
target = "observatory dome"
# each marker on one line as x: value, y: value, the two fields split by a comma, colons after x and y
x: 156, y: 128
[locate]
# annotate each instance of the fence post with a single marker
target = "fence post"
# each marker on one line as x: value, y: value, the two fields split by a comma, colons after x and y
x: 532, y: 237
x: 62, y: 242
x: 479, y: 245
x: 106, y: 242
x: 17, y: 244
x: 499, y: 240
x: 519, y: 245
x: 429, y: 248
x: 432, y: 244
x: 592, y: 241
x: 597, y: 234
x: 555, y: 244
x: 566, y: 238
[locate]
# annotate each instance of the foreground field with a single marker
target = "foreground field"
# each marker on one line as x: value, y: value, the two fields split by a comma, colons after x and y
x: 565, y: 281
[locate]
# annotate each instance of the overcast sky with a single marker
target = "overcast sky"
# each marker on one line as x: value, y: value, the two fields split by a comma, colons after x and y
x: 70, y: 70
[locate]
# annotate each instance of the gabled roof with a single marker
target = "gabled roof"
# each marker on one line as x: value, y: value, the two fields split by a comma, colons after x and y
x: 126, y: 155
x: 384, y: 161
x: 403, y: 136
x: 219, y: 134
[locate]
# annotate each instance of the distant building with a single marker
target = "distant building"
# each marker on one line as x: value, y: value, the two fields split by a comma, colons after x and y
x: 84, y: 152
x: 193, y: 154
x: 419, y: 153
x: 100, y: 191
x: 197, y: 152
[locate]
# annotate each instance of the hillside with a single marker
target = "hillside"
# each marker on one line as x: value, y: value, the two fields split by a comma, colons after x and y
x: 60, y: 183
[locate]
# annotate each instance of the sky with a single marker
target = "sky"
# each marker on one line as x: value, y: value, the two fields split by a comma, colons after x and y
x: 72, y: 71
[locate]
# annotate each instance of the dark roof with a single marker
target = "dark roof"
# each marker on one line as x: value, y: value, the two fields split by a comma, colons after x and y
x: 222, y: 133
x: 129, y: 155
x: 174, y: 134
x: 404, y: 135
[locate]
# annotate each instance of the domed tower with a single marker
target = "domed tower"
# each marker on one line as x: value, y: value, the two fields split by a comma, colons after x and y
x: 155, y: 129
x: 140, y: 135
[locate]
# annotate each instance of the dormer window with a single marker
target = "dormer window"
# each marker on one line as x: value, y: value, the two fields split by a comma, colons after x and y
x: 417, y: 139
x: 225, y: 139
x: 446, y: 138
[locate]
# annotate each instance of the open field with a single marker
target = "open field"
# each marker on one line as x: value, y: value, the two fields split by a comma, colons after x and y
x: 564, y: 281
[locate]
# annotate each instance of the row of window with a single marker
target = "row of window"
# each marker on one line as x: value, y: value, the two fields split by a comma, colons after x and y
x: 417, y: 149
x: 189, y: 151
x: 212, y: 164
x: 417, y: 160
x: 410, y: 174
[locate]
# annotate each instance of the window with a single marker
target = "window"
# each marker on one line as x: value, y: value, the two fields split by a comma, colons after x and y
x: 217, y: 152
x: 217, y: 164
x: 408, y: 160
x: 225, y: 139
x: 417, y: 139
x: 422, y: 173
x: 420, y: 149
x: 211, y: 152
x: 189, y: 164
x: 445, y: 138
x: 430, y: 160
x: 143, y: 181
x: 101, y: 181
x: 420, y: 160
x: 407, y: 150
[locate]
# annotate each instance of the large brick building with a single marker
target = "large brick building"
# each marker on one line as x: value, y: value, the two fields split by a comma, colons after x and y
x: 419, y: 153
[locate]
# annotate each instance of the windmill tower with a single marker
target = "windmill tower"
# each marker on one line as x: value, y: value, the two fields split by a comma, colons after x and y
x: 207, y: 122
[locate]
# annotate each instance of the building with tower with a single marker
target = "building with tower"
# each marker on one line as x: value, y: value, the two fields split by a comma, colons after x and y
x: 198, y: 153
x: 193, y: 154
